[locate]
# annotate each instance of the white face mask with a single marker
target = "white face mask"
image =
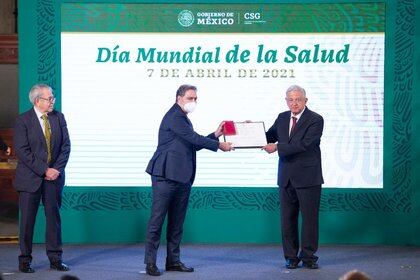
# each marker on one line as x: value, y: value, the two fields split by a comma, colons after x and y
x: 189, y: 107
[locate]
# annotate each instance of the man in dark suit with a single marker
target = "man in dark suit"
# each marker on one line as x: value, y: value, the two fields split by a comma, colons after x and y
x: 296, y: 135
x: 172, y: 169
x: 42, y: 145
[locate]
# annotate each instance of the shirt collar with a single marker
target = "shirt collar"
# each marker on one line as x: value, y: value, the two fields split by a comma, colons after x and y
x: 38, y: 113
x: 298, y: 115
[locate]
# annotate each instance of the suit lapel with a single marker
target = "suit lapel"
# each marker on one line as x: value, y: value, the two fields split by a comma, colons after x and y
x: 285, y: 129
x: 182, y: 112
x: 52, y: 118
x: 189, y: 122
x: 37, y: 127
x: 301, y: 123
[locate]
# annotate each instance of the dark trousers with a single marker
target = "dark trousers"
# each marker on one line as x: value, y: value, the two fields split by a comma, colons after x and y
x: 305, y: 200
x: 168, y: 198
x: 28, y: 205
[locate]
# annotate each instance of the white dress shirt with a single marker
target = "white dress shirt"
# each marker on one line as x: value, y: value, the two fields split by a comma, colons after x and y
x: 41, y: 121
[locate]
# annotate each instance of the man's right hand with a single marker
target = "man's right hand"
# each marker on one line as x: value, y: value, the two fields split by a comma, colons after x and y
x: 226, y: 146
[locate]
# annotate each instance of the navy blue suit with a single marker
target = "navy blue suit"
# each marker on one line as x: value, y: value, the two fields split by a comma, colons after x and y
x: 172, y: 168
x: 31, y: 151
x: 299, y: 179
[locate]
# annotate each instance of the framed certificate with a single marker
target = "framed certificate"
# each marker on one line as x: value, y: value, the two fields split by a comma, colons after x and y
x: 247, y: 135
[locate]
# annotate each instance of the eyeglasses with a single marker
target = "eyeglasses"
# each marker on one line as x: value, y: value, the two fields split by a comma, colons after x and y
x: 297, y: 100
x: 50, y: 100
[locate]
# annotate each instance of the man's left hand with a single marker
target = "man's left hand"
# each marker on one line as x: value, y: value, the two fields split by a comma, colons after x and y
x: 51, y: 174
x: 270, y: 148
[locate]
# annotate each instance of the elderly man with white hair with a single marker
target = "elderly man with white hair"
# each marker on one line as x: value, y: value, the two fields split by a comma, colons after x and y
x: 42, y: 145
x: 296, y: 136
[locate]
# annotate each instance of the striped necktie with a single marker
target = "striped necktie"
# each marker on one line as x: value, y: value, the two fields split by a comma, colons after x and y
x: 47, y: 134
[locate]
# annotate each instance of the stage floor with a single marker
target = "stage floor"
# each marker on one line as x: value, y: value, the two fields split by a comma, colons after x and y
x: 218, y: 262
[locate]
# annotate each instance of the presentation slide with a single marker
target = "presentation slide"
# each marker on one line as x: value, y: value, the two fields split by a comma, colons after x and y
x: 121, y: 65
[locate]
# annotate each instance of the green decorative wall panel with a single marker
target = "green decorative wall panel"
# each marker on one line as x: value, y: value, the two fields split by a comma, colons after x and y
x: 312, y: 18
x: 387, y: 216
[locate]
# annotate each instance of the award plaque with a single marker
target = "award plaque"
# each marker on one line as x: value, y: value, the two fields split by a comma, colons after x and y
x: 246, y: 134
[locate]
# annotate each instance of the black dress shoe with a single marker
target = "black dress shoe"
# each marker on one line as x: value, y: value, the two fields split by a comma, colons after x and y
x: 310, y: 265
x: 292, y: 264
x: 60, y: 266
x: 178, y: 266
x: 26, y: 268
x: 152, y: 270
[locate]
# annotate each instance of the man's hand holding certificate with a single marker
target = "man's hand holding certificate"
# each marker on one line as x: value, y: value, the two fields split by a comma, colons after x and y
x: 245, y: 134
x: 224, y: 146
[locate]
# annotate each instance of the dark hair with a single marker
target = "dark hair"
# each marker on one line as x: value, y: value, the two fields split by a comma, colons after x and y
x: 355, y: 275
x: 69, y: 277
x: 183, y: 89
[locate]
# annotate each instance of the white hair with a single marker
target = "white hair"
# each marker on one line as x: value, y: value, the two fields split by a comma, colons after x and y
x: 35, y: 92
x: 296, y: 88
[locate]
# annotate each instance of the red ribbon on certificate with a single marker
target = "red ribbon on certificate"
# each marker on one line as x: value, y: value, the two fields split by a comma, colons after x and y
x: 229, y: 128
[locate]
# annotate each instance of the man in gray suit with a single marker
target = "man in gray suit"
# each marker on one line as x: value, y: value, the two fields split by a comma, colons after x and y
x: 172, y: 169
x: 42, y: 145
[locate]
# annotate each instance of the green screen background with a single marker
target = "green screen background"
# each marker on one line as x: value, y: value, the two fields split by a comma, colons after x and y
x: 249, y: 215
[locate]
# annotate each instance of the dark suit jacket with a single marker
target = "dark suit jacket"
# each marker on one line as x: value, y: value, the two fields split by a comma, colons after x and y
x: 299, y: 155
x: 175, y: 156
x: 31, y: 150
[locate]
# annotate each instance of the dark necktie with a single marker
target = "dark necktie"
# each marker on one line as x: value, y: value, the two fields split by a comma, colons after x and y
x: 47, y: 134
x: 294, y: 120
